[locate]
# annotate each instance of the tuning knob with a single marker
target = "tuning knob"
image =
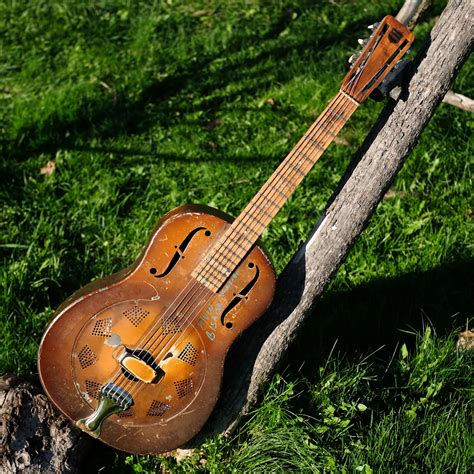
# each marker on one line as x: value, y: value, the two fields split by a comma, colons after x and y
x: 353, y: 58
x: 362, y: 42
x: 374, y: 26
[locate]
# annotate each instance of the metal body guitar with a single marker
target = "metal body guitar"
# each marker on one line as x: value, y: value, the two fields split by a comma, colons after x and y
x: 136, y: 359
x: 101, y: 336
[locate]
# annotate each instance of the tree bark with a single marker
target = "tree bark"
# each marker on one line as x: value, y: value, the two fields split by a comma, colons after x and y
x: 255, y: 357
x: 34, y: 437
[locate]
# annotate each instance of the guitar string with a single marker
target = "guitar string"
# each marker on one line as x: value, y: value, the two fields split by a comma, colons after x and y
x: 336, y: 104
x: 319, y: 121
x: 316, y: 123
x: 165, y: 317
x: 250, y: 212
x: 215, y: 255
x: 287, y: 162
x: 222, y: 244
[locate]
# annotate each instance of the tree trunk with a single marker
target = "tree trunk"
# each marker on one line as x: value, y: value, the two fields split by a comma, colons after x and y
x: 256, y: 356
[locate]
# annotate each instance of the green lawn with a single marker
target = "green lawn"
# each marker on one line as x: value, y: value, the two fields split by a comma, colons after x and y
x: 144, y: 107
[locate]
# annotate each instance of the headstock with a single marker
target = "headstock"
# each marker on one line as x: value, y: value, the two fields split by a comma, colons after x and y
x: 389, y: 42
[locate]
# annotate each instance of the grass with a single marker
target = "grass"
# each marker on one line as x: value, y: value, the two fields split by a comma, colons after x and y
x: 362, y: 416
x: 147, y: 106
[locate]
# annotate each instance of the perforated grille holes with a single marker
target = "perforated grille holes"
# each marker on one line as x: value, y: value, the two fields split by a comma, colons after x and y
x: 102, y: 327
x: 189, y: 354
x: 86, y: 357
x: 126, y: 413
x: 92, y: 388
x: 183, y: 387
x: 136, y: 315
x: 170, y: 325
x: 157, y: 408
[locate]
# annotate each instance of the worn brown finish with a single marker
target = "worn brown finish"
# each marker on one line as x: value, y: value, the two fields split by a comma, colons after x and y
x: 75, y: 359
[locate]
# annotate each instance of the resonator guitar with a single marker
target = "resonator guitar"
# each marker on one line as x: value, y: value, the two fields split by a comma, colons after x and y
x: 136, y: 359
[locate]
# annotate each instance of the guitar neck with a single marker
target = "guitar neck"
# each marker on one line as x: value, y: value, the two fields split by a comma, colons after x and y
x: 244, y: 232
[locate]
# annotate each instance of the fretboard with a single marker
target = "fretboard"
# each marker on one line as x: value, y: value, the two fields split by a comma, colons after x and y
x: 229, y: 250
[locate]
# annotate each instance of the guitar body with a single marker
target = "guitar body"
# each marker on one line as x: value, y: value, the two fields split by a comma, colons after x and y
x: 127, y: 313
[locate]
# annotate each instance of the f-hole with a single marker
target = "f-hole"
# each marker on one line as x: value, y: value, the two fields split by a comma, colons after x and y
x: 179, y: 252
x: 238, y: 297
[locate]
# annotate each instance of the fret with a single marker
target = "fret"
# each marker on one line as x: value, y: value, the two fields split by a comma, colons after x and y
x: 286, y: 179
x: 295, y: 168
x: 217, y: 260
x: 237, y: 243
x: 208, y: 275
x: 245, y: 238
x: 328, y: 131
x: 213, y: 268
x: 224, y: 260
x: 223, y: 255
x: 304, y: 155
x: 280, y: 192
x: 254, y: 218
x: 206, y: 280
x: 261, y: 209
x: 247, y: 229
x: 315, y: 143
x: 338, y: 116
x: 228, y: 249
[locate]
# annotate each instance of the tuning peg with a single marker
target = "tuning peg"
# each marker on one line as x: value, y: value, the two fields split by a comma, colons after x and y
x: 354, y: 58
x: 361, y: 41
x: 374, y: 26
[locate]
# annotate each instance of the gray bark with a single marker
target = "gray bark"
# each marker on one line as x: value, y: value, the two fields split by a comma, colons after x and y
x: 34, y: 437
x: 256, y: 356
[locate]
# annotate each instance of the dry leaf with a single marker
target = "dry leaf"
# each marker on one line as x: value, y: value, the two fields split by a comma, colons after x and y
x: 341, y: 141
x: 49, y: 168
x: 465, y: 341
x: 391, y: 193
x: 181, y: 454
x: 271, y: 102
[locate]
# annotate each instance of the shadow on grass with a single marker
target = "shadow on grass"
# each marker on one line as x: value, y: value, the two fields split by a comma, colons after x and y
x: 160, y: 102
x: 385, y: 312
